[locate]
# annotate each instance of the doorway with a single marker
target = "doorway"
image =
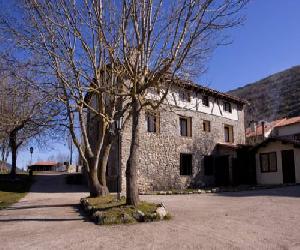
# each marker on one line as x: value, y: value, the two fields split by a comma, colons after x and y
x: 222, y: 170
x: 288, y: 166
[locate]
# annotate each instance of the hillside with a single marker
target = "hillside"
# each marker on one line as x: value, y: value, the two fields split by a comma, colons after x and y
x: 273, y: 97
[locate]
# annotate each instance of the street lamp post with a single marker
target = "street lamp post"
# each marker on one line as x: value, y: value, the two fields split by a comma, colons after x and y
x: 119, y: 124
x: 31, y: 152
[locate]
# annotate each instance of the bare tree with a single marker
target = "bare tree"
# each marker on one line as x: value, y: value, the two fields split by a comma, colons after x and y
x: 69, y: 38
x: 25, y: 113
x: 103, y: 53
x: 4, y: 147
x: 162, y: 41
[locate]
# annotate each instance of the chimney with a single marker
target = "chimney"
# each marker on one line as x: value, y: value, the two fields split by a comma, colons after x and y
x: 253, y: 126
x: 263, y: 129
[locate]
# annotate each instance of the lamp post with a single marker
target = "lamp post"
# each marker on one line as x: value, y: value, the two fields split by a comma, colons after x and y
x: 119, y: 124
x: 31, y: 152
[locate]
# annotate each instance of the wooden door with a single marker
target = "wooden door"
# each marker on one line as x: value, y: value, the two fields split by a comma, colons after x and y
x: 222, y: 170
x: 288, y: 166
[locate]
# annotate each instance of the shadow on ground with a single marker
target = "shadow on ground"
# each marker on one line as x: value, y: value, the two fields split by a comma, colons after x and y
x: 43, y: 218
x: 55, y: 183
x: 286, y: 191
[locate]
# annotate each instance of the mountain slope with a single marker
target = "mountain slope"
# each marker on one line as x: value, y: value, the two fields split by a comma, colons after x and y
x: 273, y: 97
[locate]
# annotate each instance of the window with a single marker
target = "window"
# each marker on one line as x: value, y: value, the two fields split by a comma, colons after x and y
x: 206, y: 126
x: 152, y: 122
x: 185, y: 126
x: 227, y: 107
x: 208, y: 165
x: 268, y: 162
x: 228, y: 132
x: 185, y: 96
x: 205, y: 101
x: 186, y: 164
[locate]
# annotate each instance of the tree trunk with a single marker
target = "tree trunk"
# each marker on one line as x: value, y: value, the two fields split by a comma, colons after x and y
x: 104, y: 154
x: 96, y: 189
x: 13, y: 146
x: 132, y: 197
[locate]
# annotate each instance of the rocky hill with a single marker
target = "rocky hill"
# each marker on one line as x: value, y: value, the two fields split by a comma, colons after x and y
x: 273, y: 97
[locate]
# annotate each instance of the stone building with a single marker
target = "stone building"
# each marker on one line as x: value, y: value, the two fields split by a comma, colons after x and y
x: 191, y: 141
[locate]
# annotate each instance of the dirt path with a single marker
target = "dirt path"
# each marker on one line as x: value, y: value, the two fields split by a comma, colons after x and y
x: 48, y: 218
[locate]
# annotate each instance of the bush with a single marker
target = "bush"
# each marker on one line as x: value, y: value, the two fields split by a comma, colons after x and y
x: 11, y: 191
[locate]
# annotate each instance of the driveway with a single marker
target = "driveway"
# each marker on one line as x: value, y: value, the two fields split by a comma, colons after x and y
x: 48, y: 218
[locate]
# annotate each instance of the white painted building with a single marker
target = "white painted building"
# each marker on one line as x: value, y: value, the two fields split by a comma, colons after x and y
x: 278, y: 161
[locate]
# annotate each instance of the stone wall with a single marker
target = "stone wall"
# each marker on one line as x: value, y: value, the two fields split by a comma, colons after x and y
x: 159, y: 153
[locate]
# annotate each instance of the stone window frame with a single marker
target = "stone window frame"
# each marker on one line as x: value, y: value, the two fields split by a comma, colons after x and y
x: 155, y: 114
x: 268, y: 168
x: 189, y: 124
x: 186, y: 171
x: 206, y: 126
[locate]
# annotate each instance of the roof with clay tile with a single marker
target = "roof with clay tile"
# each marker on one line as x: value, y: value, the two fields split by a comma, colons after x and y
x: 271, y: 125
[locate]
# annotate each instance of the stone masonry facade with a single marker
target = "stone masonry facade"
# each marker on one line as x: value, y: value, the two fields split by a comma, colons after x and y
x: 159, y: 152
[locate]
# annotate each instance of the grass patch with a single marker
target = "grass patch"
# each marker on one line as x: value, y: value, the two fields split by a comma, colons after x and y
x: 108, y: 210
x: 11, y: 191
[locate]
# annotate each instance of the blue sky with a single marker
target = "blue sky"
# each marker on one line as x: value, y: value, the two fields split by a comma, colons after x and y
x: 268, y: 42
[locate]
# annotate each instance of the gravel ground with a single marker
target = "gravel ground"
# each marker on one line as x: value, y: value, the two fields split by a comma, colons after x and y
x: 48, y: 218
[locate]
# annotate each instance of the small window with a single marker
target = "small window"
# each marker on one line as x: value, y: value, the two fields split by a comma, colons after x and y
x: 208, y: 165
x: 228, y: 133
x: 185, y: 126
x: 227, y: 107
x: 205, y: 101
x: 186, y: 164
x: 152, y: 122
x: 185, y: 96
x: 206, y: 126
x: 268, y: 162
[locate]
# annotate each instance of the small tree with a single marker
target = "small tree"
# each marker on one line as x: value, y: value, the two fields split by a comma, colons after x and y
x: 25, y: 113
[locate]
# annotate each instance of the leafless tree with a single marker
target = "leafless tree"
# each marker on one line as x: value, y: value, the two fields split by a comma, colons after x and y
x: 4, y: 147
x: 69, y: 38
x: 106, y: 56
x: 25, y: 112
x: 163, y: 41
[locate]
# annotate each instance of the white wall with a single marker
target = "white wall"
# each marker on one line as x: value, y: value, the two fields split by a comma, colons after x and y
x: 288, y: 130
x: 215, y: 105
x: 276, y: 177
